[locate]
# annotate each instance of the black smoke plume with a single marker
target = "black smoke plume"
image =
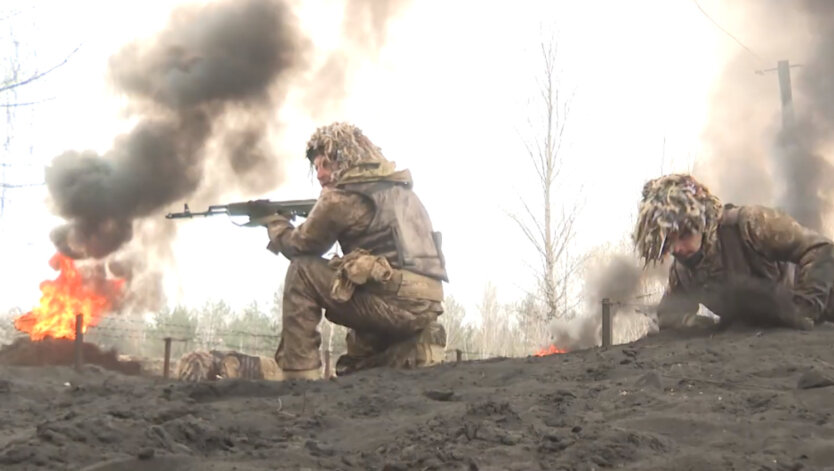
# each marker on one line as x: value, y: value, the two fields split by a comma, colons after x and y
x: 210, y: 62
x: 204, y: 94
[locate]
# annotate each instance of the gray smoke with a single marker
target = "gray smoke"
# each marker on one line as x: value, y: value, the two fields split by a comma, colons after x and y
x: 622, y: 280
x: 204, y: 93
x: 365, y: 30
x: 808, y: 194
x: 754, y: 157
x: 619, y: 278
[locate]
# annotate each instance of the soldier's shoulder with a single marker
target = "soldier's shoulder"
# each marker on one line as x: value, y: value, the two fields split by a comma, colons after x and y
x: 764, y: 223
x: 757, y: 214
x: 339, y: 196
x: 341, y: 203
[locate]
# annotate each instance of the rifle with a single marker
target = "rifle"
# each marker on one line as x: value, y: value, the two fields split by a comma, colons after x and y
x: 257, y: 210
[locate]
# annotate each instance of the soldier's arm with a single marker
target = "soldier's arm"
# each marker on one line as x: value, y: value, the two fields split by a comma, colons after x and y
x: 778, y: 237
x: 334, y: 213
x: 676, y: 304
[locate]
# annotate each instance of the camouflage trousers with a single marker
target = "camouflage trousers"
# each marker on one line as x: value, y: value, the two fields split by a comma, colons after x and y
x: 380, y: 324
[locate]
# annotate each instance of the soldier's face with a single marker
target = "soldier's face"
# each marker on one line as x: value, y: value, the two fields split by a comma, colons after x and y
x: 686, y: 244
x: 324, y: 171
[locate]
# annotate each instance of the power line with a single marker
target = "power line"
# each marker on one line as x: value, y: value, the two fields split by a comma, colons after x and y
x: 727, y: 32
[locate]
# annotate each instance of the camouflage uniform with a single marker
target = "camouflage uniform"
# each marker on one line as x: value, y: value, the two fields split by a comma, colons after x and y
x: 739, y: 243
x: 388, y: 286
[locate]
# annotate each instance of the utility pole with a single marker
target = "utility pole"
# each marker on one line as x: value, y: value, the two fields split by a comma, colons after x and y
x: 783, y: 70
x: 799, y: 200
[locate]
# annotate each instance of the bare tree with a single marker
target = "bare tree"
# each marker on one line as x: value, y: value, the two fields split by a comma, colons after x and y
x: 458, y: 334
x: 496, y: 335
x: 551, y: 229
x: 7, y: 331
x: 211, y: 324
x: 15, y: 81
x: 533, y: 326
x: 15, y: 77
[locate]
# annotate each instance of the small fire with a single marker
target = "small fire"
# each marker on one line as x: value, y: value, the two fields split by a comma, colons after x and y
x: 551, y: 350
x: 65, y: 297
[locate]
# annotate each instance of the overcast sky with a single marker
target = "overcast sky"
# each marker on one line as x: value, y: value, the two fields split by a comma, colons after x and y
x: 448, y: 97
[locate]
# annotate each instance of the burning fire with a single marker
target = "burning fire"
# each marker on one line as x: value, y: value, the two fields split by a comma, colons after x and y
x: 551, y: 350
x: 65, y: 297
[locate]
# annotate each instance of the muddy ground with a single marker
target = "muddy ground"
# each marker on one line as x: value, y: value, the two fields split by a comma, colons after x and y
x: 742, y: 399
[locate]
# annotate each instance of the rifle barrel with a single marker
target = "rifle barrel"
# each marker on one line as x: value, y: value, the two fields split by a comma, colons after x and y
x: 250, y: 208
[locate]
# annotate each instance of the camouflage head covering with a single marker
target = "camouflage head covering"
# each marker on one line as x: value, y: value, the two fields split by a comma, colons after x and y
x: 673, y: 203
x: 345, y: 146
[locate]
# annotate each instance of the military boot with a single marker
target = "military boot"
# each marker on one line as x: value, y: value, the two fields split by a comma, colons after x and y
x: 270, y: 369
x: 426, y: 348
x: 431, y: 345
x: 310, y: 375
x: 360, y: 348
x: 241, y: 366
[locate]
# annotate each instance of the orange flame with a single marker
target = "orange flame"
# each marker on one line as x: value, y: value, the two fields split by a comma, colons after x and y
x: 62, y: 299
x: 551, y: 350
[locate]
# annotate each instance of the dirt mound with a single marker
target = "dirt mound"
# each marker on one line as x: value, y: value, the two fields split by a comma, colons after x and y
x: 736, y: 399
x: 61, y: 352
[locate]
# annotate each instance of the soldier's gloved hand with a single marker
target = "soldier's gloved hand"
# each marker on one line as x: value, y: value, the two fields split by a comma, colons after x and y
x: 805, y: 312
x: 277, y: 225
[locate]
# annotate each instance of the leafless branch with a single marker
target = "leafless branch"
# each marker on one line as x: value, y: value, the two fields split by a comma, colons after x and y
x: 20, y: 185
x: 536, y: 163
x: 527, y: 233
x: 12, y: 14
x: 539, y: 227
x: 30, y: 103
x: 39, y: 75
x: 564, y: 234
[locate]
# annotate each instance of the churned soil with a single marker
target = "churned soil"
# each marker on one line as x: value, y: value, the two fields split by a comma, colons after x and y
x: 61, y: 352
x: 739, y: 399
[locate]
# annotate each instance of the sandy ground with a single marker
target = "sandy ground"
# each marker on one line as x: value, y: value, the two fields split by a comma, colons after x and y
x: 742, y: 399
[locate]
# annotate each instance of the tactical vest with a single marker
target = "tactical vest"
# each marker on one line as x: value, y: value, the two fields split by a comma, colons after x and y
x: 400, y: 230
x: 737, y: 258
